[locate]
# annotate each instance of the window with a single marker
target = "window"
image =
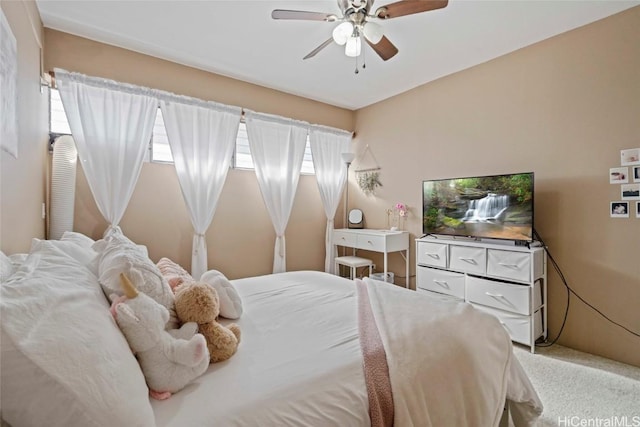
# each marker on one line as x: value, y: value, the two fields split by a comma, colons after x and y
x: 57, y: 118
x: 243, y: 159
x: 159, y: 149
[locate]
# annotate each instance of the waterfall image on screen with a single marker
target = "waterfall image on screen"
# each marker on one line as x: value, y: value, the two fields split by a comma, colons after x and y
x: 497, y: 207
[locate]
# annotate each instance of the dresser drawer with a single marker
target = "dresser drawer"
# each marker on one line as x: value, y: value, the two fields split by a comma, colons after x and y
x: 509, y: 265
x: 342, y: 238
x: 505, y: 296
x: 438, y: 297
x: 518, y: 327
x: 445, y: 282
x: 370, y: 242
x: 434, y: 254
x: 468, y: 259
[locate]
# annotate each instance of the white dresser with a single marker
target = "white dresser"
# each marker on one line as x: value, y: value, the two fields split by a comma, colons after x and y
x: 384, y: 241
x: 507, y: 281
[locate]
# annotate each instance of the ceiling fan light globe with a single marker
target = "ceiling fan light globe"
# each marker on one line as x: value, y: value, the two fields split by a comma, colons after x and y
x: 373, y: 32
x: 342, y: 33
x: 353, y: 47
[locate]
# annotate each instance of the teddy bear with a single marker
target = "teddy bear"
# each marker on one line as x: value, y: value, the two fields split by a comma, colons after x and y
x: 167, y: 361
x: 198, y: 302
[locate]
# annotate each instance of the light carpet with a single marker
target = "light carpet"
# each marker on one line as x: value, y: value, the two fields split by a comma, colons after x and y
x: 580, y: 389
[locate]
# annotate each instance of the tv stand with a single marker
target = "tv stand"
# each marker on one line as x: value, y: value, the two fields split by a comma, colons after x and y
x: 507, y: 281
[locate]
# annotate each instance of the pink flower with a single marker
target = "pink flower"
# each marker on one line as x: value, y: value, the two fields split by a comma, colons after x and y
x: 401, y: 208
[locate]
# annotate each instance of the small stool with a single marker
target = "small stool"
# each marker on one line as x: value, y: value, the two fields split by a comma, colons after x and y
x: 353, y: 262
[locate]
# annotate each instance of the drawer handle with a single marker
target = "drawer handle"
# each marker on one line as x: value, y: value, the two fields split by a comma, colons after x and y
x: 370, y: 242
x: 494, y: 295
x: 469, y: 260
x: 434, y: 256
x: 514, y: 266
x: 442, y: 283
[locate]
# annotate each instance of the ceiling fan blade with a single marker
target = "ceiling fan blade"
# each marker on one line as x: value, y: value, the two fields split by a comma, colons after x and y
x: 303, y: 15
x: 408, y: 7
x: 318, y: 49
x: 384, y: 48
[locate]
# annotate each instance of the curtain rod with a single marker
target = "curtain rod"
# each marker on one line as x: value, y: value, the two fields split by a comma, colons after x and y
x: 49, y: 80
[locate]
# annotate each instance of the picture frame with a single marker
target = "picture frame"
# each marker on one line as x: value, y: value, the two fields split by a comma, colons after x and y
x: 8, y: 89
x: 618, y: 175
x: 630, y: 191
x: 619, y: 209
x: 630, y: 157
x: 636, y: 174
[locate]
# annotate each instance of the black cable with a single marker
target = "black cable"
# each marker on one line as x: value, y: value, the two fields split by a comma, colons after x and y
x: 569, y: 292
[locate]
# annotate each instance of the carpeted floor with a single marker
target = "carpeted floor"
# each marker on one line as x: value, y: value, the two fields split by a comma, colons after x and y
x: 579, y: 389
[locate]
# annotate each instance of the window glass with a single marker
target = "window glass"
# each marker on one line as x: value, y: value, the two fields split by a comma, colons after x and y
x: 243, y: 158
x: 159, y: 149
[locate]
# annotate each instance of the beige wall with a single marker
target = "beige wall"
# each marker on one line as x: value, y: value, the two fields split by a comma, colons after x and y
x: 22, y: 180
x: 241, y: 238
x: 563, y: 108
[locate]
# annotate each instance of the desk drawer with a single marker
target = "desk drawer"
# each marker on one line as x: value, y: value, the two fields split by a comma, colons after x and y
x: 342, y: 238
x: 370, y: 242
x: 434, y: 254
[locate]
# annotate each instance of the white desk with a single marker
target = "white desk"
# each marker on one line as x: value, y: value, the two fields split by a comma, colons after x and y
x: 384, y: 241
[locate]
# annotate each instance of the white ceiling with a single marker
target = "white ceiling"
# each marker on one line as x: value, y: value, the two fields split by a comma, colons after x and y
x: 239, y: 39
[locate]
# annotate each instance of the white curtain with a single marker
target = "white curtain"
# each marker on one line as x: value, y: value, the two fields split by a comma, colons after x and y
x: 111, y: 124
x: 327, y: 146
x: 277, y: 148
x: 202, y: 137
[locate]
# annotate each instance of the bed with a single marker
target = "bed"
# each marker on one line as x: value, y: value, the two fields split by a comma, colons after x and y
x: 300, y: 361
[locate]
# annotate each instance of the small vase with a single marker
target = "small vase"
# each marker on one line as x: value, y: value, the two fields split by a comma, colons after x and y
x: 393, y: 220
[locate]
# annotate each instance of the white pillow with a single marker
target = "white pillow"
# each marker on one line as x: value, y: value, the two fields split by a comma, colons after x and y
x: 117, y: 254
x: 79, y: 238
x: 83, y: 255
x: 230, y: 302
x: 6, y: 267
x: 64, y: 360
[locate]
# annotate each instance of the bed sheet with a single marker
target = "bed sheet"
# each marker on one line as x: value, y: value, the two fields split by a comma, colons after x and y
x: 298, y: 364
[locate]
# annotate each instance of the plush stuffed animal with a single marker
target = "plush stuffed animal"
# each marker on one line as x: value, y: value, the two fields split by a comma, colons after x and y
x: 198, y: 302
x: 168, y: 363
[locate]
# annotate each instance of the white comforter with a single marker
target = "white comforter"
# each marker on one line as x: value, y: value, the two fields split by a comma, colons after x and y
x: 300, y: 363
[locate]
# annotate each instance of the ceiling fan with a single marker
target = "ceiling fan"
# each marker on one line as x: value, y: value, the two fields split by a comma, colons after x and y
x: 357, y: 23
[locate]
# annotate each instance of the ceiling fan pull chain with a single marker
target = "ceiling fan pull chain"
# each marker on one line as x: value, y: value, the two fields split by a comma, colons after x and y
x: 356, y: 72
x: 364, y: 60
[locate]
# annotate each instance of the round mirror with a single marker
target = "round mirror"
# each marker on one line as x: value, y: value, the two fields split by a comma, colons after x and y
x: 355, y: 217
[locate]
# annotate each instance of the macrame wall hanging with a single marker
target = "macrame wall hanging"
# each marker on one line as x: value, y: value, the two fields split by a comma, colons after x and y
x: 368, y: 175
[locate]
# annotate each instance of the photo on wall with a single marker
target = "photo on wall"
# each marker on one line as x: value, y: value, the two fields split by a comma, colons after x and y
x: 618, y: 175
x: 630, y: 156
x: 619, y: 209
x: 636, y: 174
x: 630, y: 191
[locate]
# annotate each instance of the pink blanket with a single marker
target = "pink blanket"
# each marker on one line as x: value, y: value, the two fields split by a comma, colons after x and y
x: 376, y: 370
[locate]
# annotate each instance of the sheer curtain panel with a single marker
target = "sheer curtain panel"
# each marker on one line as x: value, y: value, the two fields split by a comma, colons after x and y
x: 202, y: 137
x: 277, y: 147
x: 111, y: 124
x: 327, y: 146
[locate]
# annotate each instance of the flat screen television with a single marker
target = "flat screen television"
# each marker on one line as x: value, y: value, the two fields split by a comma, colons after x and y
x: 491, y: 207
